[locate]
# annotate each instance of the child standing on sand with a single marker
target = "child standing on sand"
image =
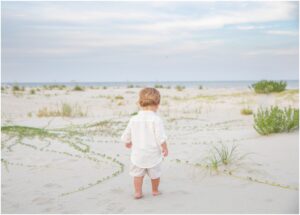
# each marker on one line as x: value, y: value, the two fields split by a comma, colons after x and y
x: 146, y: 137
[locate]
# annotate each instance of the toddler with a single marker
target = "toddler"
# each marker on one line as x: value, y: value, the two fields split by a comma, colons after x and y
x: 145, y: 136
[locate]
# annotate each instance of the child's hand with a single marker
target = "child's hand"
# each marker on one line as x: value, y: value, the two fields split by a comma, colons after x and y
x: 165, y: 152
x: 164, y: 149
x: 128, y: 145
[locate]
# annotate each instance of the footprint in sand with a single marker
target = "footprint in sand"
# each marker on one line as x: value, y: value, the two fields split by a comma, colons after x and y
x: 181, y: 192
x: 48, y: 210
x: 117, y: 190
x: 51, y: 185
x: 269, y: 200
x: 42, y: 200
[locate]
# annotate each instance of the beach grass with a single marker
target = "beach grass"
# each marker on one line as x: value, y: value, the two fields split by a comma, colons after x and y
x: 16, y: 88
x: 180, y: 88
x: 119, y: 97
x: 276, y: 120
x: 223, y: 155
x: 158, y: 86
x: 246, y: 111
x: 54, y: 86
x: 64, y: 110
x: 32, y: 91
x: 25, y: 131
x: 265, y: 86
x: 78, y: 88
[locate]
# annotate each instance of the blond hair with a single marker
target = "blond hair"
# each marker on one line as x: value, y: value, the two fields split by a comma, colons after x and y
x: 149, y: 96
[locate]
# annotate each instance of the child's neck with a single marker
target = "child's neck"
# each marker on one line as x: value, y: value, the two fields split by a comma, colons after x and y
x: 150, y: 108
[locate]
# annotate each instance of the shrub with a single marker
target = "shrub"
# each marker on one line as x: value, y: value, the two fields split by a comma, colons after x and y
x: 54, y: 86
x: 18, y: 88
x: 180, y: 88
x: 32, y: 91
x: 66, y: 109
x: 276, y: 120
x: 78, y: 88
x: 269, y: 86
x: 246, y: 111
x: 130, y: 86
x: 200, y: 87
x: 158, y: 86
x: 119, y: 97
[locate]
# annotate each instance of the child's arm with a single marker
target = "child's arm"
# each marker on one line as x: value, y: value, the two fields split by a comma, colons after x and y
x: 161, y: 136
x: 126, y: 136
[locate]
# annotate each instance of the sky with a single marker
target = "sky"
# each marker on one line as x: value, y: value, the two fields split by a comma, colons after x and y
x: 149, y: 41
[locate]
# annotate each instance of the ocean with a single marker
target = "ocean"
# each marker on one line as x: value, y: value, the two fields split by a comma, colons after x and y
x: 291, y: 84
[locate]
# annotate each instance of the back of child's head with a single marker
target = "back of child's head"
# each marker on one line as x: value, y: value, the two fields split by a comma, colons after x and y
x: 149, y: 97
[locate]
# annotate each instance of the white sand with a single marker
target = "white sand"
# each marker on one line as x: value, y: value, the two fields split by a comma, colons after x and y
x: 194, y: 119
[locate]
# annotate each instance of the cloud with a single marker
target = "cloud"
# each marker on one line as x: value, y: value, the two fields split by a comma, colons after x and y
x: 83, y: 15
x: 284, y: 33
x: 286, y: 51
x: 249, y: 27
x: 57, y: 29
x: 188, y: 46
x: 266, y: 12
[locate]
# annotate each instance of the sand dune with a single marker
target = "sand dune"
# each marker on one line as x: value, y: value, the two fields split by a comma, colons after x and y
x: 77, y: 165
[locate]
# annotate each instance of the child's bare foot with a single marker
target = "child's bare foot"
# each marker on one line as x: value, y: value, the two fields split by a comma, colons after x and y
x: 156, y: 193
x: 138, y: 195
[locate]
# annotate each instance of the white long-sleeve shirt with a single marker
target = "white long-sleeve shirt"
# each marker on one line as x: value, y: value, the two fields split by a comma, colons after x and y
x: 146, y: 133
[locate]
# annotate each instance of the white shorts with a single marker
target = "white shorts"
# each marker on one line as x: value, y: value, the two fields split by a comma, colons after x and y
x: 153, y: 172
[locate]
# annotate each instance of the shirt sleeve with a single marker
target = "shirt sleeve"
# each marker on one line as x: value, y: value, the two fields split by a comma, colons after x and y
x: 159, y: 129
x: 126, y: 136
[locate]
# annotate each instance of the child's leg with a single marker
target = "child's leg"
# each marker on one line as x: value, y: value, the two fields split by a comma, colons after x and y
x: 155, y: 184
x: 138, y: 183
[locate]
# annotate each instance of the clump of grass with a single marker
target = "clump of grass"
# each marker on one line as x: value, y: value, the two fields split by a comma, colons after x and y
x: 119, y: 97
x: 134, y: 113
x: 54, y: 86
x: 78, y: 88
x: 130, y: 86
x: 65, y: 110
x: 265, y: 86
x: 32, y: 91
x: 246, y: 111
x: 180, y: 88
x: 29, y: 114
x: 18, y: 88
x: 104, y: 87
x: 200, y: 87
x: 276, y: 120
x: 213, y: 162
x: 206, y: 97
x: 22, y: 131
x: 158, y: 86
x: 223, y: 155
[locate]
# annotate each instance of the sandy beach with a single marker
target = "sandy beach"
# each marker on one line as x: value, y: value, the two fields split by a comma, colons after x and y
x: 76, y: 164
